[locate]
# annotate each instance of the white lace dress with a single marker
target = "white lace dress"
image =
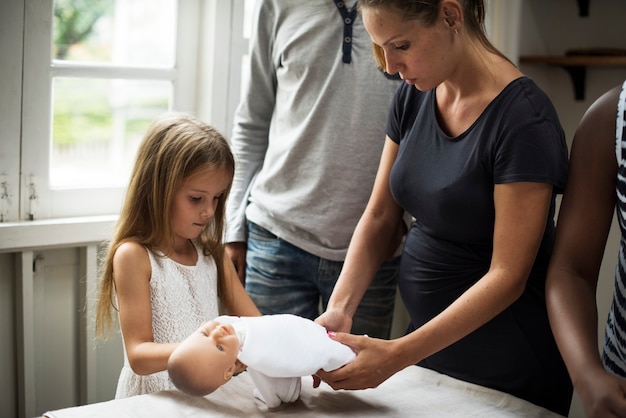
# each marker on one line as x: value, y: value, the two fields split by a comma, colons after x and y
x: 183, y: 298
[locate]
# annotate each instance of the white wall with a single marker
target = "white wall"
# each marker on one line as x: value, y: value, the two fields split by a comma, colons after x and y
x: 552, y: 27
x: 48, y: 358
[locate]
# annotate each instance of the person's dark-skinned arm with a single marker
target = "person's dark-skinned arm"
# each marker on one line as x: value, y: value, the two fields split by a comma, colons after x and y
x: 583, y: 226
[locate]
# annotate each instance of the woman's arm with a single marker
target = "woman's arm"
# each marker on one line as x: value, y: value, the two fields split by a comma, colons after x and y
x: 584, y: 222
x: 521, y: 215
x: 132, y: 271
x: 373, y: 237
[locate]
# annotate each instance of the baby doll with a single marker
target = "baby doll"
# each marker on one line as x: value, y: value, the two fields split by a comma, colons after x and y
x: 276, y: 350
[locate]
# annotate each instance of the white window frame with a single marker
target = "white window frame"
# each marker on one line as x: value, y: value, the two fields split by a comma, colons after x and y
x: 11, y: 45
x: 221, y: 49
x: 205, y: 83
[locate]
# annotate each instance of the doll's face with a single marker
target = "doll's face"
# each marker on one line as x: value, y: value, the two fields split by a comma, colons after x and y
x: 206, y: 359
x: 216, y: 339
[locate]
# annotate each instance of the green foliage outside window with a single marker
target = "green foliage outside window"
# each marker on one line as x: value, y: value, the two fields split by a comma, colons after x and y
x: 74, y: 22
x: 83, y: 111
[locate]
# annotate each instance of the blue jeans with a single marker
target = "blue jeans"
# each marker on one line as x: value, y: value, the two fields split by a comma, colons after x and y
x: 282, y: 278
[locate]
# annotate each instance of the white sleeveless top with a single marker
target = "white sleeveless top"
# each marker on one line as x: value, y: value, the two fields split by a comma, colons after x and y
x: 182, y: 298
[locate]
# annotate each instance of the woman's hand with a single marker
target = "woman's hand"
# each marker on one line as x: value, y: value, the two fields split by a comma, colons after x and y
x: 376, y: 361
x: 335, y: 320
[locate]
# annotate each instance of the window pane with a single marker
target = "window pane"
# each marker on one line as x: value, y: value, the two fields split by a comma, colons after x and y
x: 245, y: 58
x: 120, y: 32
x: 97, y: 125
x: 247, y: 18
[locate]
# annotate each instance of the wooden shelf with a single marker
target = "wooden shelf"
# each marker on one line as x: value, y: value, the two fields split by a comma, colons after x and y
x: 583, y: 8
x: 576, y: 66
x: 576, y: 60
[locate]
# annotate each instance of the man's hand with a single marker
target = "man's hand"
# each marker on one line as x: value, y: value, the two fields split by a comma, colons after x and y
x: 236, y: 251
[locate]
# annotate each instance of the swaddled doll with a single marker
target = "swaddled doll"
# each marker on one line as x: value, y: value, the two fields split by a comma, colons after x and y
x: 277, y: 350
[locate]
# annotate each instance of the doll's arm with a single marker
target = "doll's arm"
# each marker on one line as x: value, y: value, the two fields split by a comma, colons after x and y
x: 275, y: 390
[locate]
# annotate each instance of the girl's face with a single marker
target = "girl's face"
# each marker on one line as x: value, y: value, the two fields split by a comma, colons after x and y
x: 417, y: 52
x: 195, y: 202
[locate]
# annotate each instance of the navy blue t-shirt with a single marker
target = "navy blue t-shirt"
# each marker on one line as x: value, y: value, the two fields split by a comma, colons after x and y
x: 447, y: 184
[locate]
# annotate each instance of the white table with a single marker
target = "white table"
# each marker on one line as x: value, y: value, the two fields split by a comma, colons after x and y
x: 413, y: 392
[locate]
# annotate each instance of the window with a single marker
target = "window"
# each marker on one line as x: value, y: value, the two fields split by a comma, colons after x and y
x: 99, y: 112
x: 83, y: 80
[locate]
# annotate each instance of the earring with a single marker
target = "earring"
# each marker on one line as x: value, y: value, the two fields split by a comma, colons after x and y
x: 456, y: 31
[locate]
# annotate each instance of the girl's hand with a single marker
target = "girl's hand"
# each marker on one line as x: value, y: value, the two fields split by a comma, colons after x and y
x: 375, y: 362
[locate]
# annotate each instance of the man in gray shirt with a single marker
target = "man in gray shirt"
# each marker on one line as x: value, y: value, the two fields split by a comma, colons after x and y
x: 307, y: 137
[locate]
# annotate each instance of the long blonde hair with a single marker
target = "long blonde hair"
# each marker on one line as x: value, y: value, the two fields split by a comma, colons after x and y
x: 175, y: 146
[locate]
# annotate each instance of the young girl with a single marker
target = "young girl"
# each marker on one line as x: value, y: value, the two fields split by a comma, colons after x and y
x: 165, y: 270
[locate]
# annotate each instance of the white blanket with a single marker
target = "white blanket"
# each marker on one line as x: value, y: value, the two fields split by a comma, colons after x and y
x: 280, y: 349
x: 412, y: 392
x: 287, y: 345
